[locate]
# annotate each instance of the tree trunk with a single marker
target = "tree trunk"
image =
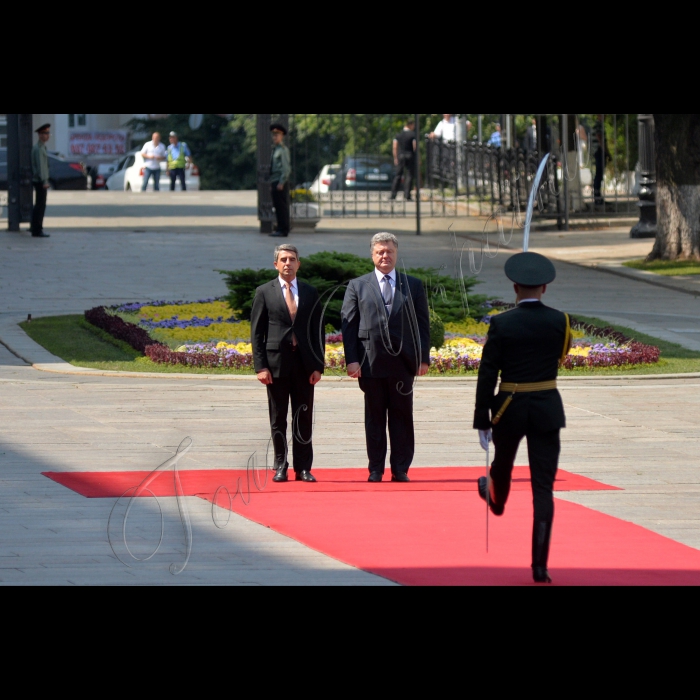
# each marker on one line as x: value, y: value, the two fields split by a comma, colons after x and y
x: 678, y: 187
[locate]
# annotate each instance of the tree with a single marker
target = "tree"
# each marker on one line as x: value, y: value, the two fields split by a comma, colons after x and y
x: 678, y: 187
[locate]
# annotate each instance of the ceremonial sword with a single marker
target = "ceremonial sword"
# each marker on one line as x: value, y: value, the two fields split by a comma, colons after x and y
x: 526, y: 247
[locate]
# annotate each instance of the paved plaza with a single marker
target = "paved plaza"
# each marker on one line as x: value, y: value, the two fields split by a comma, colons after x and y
x: 640, y: 435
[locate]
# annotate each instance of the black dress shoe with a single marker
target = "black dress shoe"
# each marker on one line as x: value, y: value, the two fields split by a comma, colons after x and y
x: 484, y: 495
x: 400, y: 479
x: 280, y: 476
x: 306, y: 476
x: 375, y: 478
x: 277, y: 234
x: 41, y: 235
x: 541, y: 575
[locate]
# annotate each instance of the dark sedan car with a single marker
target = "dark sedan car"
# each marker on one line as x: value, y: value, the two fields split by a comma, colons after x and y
x: 63, y: 175
x: 364, y: 172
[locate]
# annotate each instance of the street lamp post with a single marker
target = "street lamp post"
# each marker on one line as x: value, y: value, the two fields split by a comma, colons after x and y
x: 646, y: 228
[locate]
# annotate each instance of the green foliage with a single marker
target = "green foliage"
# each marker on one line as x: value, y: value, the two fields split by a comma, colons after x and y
x: 330, y: 272
x: 437, y: 331
x: 242, y: 285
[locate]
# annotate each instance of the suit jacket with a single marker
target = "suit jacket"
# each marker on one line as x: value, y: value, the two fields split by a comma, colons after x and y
x: 524, y: 345
x: 272, y: 329
x: 386, y: 347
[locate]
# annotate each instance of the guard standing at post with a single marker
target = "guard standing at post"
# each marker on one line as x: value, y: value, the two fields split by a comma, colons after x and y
x: 179, y: 159
x: 40, y: 180
x: 405, y: 147
x: 279, y: 180
x: 526, y: 346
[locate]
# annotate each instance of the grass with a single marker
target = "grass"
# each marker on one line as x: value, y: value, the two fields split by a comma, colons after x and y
x: 77, y: 342
x: 669, y: 268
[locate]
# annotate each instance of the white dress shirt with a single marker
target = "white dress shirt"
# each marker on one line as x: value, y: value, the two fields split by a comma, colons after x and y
x: 447, y: 130
x: 295, y: 290
x: 380, y: 279
x: 150, y: 152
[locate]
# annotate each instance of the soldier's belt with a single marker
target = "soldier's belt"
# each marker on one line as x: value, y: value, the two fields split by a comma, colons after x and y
x: 514, y: 389
x: 528, y: 388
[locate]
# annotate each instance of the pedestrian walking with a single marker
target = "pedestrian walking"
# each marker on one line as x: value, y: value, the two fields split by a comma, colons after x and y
x: 405, y: 146
x: 281, y: 169
x: 154, y: 154
x: 526, y: 346
x: 179, y: 159
x: 40, y: 180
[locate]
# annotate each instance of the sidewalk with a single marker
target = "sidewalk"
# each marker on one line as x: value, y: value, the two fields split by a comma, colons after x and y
x: 641, y: 436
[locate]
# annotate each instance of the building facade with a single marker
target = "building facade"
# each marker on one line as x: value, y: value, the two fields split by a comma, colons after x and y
x: 94, y: 137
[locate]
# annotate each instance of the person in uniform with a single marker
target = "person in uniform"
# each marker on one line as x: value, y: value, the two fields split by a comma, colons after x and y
x: 526, y: 346
x: 386, y: 334
x: 279, y: 180
x: 405, y: 146
x: 289, y: 355
x: 179, y: 159
x: 40, y: 180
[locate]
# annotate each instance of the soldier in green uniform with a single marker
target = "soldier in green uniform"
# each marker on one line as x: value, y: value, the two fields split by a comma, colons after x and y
x: 525, y: 346
x: 40, y: 180
x: 279, y: 180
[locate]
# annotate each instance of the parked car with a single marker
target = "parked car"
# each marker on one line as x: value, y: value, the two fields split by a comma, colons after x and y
x: 66, y: 175
x: 128, y: 176
x: 324, y: 180
x: 364, y: 172
x: 63, y: 175
x: 99, y: 174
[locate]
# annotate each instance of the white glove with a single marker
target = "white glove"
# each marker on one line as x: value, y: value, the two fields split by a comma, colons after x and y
x: 485, y: 438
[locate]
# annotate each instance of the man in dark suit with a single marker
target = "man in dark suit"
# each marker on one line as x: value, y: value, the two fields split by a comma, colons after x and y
x: 386, y: 333
x: 289, y: 354
x: 526, y: 346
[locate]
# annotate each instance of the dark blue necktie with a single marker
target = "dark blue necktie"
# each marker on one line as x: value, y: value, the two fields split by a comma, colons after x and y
x: 387, y: 294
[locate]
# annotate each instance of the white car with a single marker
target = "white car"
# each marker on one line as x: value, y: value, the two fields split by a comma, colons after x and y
x: 128, y: 176
x: 324, y: 180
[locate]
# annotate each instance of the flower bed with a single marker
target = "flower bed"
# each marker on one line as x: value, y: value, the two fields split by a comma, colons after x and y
x: 205, y: 334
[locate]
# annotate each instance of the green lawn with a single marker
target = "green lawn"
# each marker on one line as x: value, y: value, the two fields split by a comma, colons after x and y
x: 74, y: 340
x: 670, y: 268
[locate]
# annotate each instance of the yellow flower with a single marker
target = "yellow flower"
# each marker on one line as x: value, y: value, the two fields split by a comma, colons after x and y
x: 186, y: 311
x: 580, y: 352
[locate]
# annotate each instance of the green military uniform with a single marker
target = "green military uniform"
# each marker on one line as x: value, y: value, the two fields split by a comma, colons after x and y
x: 40, y: 164
x: 525, y: 346
x: 40, y: 180
x: 280, y: 170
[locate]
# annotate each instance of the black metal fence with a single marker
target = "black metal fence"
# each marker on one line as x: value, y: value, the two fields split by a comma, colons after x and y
x: 591, y: 173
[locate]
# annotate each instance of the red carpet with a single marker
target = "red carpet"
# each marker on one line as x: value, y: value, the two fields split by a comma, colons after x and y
x: 206, y: 482
x: 432, y: 532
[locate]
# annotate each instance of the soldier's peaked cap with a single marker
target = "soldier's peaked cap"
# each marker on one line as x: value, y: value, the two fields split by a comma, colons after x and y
x: 279, y: 127
x: 530, y: 270
x: 44, y: 127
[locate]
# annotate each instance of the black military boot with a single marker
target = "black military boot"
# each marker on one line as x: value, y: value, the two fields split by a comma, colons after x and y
x: 485, y: 496
x: 541, y: 537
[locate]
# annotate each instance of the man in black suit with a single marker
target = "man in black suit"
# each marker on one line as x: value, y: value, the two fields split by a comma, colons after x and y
x: 526, y: 346
x: 386, y: 333
x: 289, y: 352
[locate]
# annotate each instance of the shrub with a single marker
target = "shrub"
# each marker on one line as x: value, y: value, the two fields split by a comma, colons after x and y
x: 329, y: 270
x: 437, y: 331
